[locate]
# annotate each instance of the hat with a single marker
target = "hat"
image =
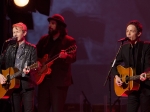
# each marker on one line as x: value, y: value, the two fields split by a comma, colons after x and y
x: 21, y: 25
x: 58, y: 18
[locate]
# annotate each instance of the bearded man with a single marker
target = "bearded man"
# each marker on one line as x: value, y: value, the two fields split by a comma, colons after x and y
x: 52, y: 92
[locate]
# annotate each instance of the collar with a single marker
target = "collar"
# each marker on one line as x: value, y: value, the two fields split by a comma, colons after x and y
x: 22, y: 45
x: 135, y: 44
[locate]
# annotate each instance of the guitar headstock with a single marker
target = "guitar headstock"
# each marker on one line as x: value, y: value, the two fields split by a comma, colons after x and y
x: 71, y: 49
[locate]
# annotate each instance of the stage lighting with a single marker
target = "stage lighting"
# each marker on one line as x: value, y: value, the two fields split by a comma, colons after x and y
x: 24, y: 13
x: 21, y: 3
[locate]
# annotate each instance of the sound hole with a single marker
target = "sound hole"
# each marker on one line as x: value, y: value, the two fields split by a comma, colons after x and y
x: 125, y: 83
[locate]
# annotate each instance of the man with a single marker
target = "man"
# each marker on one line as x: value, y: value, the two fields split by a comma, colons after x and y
x: 135, y: 54
x: 20, y: 54
x: 52, y: 91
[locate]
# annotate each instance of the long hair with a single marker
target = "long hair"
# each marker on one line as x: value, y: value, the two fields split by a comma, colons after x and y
x: 62, y: 29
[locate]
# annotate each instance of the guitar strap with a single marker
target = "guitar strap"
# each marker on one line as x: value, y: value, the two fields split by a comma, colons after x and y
x: 139, y: 57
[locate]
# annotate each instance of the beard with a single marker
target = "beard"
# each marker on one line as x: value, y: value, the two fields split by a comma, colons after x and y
x: 52, y: 32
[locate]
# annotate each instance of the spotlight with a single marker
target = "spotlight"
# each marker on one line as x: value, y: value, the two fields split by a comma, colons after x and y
x: 17, y: 12
x: 21, y: 3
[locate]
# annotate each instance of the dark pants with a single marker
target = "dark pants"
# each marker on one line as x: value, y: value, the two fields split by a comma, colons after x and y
x: 51, y: 96
x: 23, y: 99
x: 136, y: 100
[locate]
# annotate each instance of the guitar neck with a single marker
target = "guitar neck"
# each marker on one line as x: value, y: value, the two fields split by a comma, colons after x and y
x: 18, y: 73
x: 136, y: 77
x: 68, y: 50
x: 52, y: 59
x: 15, y: 75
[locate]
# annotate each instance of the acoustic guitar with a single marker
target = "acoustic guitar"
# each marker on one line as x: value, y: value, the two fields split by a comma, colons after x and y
x: 130, y: 81
x: 46, y: 64
x: 13, y: 82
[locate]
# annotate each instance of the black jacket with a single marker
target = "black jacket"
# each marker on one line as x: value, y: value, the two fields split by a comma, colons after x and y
x: 29, y: 54
x: 142, y: 60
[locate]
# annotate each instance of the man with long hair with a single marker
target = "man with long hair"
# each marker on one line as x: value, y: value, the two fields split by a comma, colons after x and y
x: 52, y: 92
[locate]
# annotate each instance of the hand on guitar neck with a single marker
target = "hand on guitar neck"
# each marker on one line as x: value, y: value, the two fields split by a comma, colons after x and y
x: 143, y: 77
x: 63, y: 54
x: 26, y: 70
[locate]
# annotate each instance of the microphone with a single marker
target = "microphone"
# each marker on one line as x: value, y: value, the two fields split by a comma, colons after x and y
x: 13, y: 38
x: 123, y: 39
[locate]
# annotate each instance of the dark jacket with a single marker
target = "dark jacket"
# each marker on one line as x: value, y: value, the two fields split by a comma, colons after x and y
x: 29, y: 55
x: 142, y: 62
x: 61, y: 68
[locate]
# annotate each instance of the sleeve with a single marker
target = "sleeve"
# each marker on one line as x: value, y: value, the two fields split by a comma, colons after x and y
x: 118, y: 61
x: 147, y: 59
x: 2, y: 58
x: 33, y: 55
x: 1, y: 62
x: 71, y: 57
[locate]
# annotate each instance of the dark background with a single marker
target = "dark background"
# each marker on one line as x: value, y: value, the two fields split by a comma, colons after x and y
x: 96, y: 25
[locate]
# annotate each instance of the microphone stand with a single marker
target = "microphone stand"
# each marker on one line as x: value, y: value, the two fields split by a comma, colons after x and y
x: 86, y: 103
x: 117, y: 101
x: 108, y: 78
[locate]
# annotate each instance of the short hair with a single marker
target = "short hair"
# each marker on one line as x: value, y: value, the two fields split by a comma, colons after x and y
x: 137, y: 24
x: 21, y: 25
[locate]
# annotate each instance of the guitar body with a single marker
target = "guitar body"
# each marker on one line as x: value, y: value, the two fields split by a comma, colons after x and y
x: 40, y: 75
x: 128, y: 86
x: 45, y: 70
x: 6, y: 89
x: 46, y: 64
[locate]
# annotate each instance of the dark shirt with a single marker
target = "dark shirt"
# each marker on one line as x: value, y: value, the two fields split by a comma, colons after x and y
x: 133, y: 55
